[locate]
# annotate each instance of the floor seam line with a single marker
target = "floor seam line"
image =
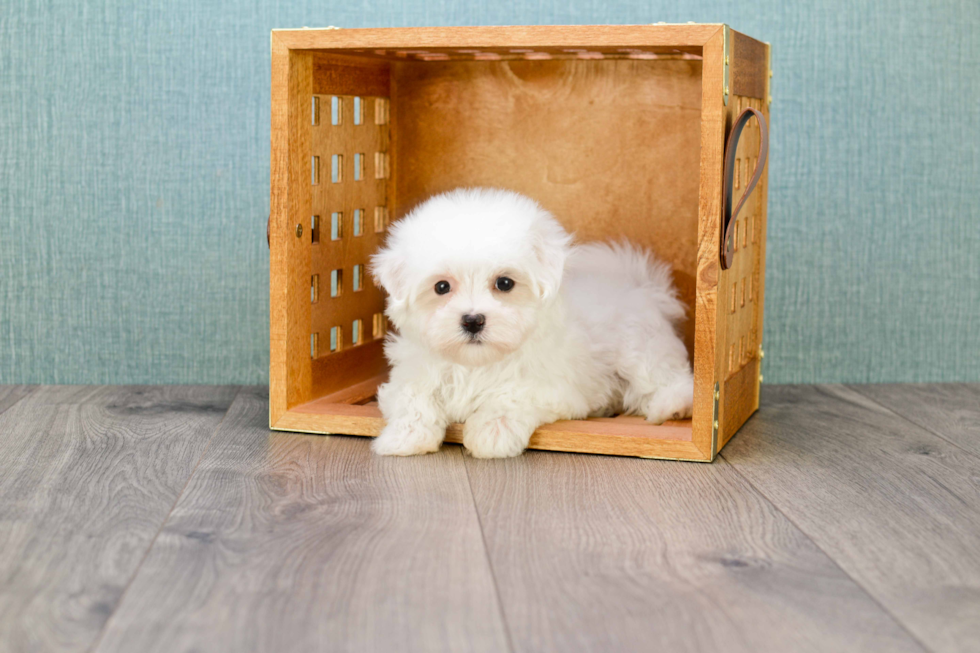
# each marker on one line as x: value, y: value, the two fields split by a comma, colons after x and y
x: 122, y: 596
x: 874, y: 599
x: 915, y: 424
x: 486, y: 553
x: 30, y: 392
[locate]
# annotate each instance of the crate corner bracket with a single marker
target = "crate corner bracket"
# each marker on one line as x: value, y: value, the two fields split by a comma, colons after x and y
x: 726, y: 57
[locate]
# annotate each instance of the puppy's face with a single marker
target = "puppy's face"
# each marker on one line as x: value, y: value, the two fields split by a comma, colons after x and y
x: 469, y: 273
x: 473, y: 314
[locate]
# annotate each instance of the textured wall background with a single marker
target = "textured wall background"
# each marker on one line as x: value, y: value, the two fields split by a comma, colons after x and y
x: 134, y: 172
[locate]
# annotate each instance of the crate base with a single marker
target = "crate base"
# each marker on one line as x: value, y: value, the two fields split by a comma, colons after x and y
x: 353, y: 412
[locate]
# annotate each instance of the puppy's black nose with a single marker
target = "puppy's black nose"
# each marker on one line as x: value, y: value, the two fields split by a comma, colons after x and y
x: 473, y: 323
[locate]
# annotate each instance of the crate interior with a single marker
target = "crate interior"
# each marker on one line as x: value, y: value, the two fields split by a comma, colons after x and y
x: 609, y: 142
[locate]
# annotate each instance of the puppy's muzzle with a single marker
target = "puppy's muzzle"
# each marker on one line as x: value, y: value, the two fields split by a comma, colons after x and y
x: 473, y: 324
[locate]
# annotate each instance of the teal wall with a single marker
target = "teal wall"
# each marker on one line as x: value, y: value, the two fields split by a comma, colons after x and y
x: 134, y: 172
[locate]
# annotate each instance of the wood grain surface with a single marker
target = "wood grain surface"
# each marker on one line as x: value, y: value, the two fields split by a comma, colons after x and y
x: 287, y: 542
x: 897, y: 507
x: 87, y: 478
x: 612, y: 554
x: 950, y: 410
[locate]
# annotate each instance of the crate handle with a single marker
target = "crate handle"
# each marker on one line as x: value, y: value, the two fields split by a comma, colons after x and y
x: 729, y: 216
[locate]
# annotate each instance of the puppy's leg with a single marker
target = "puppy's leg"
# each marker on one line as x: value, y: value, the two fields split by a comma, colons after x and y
x: 501, y: 429
x: 660, y: 384
x: 415, y: 423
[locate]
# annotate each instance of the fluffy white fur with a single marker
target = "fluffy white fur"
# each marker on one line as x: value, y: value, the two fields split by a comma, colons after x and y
x: 587, y: 330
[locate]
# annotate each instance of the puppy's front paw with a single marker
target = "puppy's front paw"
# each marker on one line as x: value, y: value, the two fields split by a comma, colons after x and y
x: 672, y: 402
x: 404, y: 438
x: 496, y: 437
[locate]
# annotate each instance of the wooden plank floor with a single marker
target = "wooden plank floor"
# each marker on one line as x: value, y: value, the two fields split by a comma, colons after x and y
x: 172, y: 519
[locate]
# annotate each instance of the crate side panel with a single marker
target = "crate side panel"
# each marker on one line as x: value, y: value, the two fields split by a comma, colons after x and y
x: 741, y: 286
x: 350, y: 189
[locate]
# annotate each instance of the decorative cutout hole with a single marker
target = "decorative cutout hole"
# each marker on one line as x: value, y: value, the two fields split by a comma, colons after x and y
x: 379, y: 326
x: 314, y: 288
x: 315, y: 111
x: 380, y: 165
x: 336, y: 282
x: 337, y: 168
x: 734, y: 295
x: 738, y: 173
x: 380, y: 219
x: 314, y: 343
x: 735, y: 239
x: 358, y: 222
x: 336, y: 338
x: 358, y: 111
x: 356, y: 282
x: 336, y: 225
x: 358, y: 166
x: 315, y: 229
x: 336, y: 110
x: 356, y: 331
x: 731, y: 359
x: 381, y: 111
x: 744, y: 283
x: 315, y: 170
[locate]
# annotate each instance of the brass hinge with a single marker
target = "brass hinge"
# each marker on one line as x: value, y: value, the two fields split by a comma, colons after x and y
x: 714, y: 423
x: 762, y: 354
x: 726, y: 52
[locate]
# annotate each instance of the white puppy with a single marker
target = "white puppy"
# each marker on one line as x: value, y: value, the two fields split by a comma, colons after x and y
x: 504, y: 325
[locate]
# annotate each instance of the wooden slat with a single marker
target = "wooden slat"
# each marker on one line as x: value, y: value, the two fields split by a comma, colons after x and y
x: 950, y: 410
x: 349, y: 75
x: 611, y: 554
x: 420, y: 38
x: 283, y: 542
x: 620, y: 436
x: 341, y: 370
x: 87, y: 478
x: 749, y: 70
x: 289, y: 257
x: 706, y: 334
x: 897, y: 507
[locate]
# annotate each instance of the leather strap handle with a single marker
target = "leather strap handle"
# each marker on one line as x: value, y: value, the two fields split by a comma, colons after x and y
x: 729, y: 216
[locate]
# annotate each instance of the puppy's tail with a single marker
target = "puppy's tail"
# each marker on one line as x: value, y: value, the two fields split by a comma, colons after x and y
x: 634, y: 267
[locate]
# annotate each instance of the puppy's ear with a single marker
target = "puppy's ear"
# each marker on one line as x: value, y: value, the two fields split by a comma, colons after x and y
x: 551, y: 245
x: 388, y: 269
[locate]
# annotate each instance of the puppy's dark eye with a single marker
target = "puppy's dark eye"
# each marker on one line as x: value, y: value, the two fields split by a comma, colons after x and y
x: 504, y: 284
x: 442, y: 287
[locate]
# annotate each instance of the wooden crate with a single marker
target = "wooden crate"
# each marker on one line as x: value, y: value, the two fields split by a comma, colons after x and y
x: 618, y: 130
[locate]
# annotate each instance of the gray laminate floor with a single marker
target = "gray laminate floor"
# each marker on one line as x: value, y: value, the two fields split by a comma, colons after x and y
x: 841, y: 518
